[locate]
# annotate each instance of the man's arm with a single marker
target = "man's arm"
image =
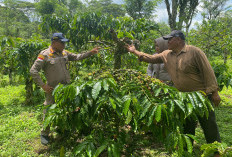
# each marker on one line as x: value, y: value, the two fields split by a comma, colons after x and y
x: 209, y: 77
x: 34, y: 71
x: 216, y: 98
x: 144, y: 56
x: 76, y: 57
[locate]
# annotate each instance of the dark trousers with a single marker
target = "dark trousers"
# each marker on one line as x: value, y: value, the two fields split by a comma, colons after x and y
x: 208, y: 125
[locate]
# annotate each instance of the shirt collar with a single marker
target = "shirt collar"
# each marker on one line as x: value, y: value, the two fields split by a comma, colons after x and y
x: 184, y: 50
x: 51, y: 50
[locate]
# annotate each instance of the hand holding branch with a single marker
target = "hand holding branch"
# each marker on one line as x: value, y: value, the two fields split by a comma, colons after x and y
x: 95, y: 50
x: 47, y: 88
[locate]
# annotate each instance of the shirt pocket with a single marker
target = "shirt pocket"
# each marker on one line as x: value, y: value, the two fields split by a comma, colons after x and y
x: 187, y: 66
x: 53, y: 61
x: 65, y: 61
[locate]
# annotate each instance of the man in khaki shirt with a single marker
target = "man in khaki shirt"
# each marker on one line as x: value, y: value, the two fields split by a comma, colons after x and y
x: 54, y: 62
x: 190, y: 70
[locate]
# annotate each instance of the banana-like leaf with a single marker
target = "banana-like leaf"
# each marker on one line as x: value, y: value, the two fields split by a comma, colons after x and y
x: 112, y: 83
x: 158, y: 113
x: 126, y: 102
x: 105, y: 85
x: 189, y: 144
x: 193, y: 137
x: 180, y: 104
x: 157, y: 91
x: 115, y: 150
x: 62, y: 153
x: 129, y: 117
x: 96, y: 89
x: 189, y: 107
x: 165, y: 90
x: 191, y: 100
x: 112, y: 103
x: 145, y: 110
x: 101, y: 148
x: 135, y: 124
x: 200, y: 97
x: 151, y: 115
x: 47, y: 121
x: 180, y: 144
x: 77, y: 90
x: 80, y: 147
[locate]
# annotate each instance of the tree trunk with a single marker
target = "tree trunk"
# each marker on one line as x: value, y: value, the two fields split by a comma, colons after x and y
x: 10, y: 76
x: 29, y: 90
x: 117, y: 59
x: 225, y: 56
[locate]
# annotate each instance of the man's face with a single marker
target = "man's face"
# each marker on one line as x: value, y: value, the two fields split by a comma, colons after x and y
x: 58, y: 45
x: 173, y: 43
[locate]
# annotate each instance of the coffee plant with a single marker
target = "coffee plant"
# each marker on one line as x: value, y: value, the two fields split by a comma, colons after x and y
x: 108, y: 107
x: 221, y: 148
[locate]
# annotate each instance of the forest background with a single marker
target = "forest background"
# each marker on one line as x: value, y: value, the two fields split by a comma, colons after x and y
x: 25, y: 30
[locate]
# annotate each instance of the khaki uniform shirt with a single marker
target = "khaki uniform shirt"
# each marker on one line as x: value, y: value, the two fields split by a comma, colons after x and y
x: 55, y: 67
x: 190, y: 69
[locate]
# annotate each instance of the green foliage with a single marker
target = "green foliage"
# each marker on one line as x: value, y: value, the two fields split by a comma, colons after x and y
x: 27, y: 53
x: 223, y: 75
x: 106, y: 7
x: 16, y: 19
x: 110, y: 33
x: 111, y: 101
x: 221, y: 148
x: 140, y: 8
x: 19, y: 125
x: 46, y: 7
x: 214, y: 36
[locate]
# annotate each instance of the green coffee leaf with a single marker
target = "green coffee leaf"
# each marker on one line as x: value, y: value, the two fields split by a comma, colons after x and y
x: 96, y: 89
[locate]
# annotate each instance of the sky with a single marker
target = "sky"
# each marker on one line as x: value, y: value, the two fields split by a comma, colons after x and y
x: 161, y: 12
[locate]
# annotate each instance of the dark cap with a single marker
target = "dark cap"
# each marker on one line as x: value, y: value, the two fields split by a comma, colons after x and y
x: 175, y: 33
x: 59, y: 36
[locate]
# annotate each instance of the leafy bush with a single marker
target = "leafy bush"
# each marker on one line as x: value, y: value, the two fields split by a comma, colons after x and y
x: 108, y: 107
x: 221, y: 148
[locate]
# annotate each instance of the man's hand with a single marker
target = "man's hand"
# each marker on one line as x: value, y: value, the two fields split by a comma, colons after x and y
x: 216, y: 98
x: 130, y: 48
x: 95, y: 50
x: 47, y: 88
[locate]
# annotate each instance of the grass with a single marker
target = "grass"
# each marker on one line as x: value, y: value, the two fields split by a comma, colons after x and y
x: 223, y: 118
x: 19, y: 124
x: 20, y: 127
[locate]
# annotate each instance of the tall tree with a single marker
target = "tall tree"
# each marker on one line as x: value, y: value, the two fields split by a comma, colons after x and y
x: 140, y: 8
x: 106, y: 7
x: 45, y: 7
x: 14, y: 20
x: 212, y: 8
x: 181, y: 10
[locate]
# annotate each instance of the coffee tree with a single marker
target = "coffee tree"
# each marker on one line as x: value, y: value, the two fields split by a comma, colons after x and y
x: 8, y: 57
x: 101, y: 29
x: 109, y: 107
x: 27, y: 52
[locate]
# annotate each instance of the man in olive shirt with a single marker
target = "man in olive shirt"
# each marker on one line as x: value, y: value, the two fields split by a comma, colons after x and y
x: 54, y: 62
x: 190, y: 71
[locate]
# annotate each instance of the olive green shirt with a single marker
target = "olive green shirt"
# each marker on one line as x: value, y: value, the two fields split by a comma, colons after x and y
x: 55, y: 67
x: 190, y: 69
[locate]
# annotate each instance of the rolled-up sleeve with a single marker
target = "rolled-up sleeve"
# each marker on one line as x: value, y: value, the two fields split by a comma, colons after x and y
x: 34, y: 71
x: 150, y: 58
